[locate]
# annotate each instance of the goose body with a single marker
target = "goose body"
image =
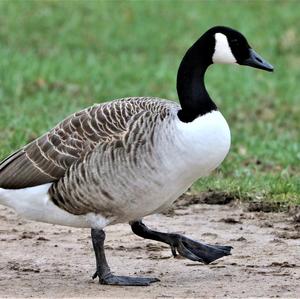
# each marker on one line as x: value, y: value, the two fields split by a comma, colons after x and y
x: 153, y: 166
x: 122, y: 160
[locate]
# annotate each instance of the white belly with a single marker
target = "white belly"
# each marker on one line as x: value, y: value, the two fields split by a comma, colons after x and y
x: 33, y: 203
x: 199, y: 148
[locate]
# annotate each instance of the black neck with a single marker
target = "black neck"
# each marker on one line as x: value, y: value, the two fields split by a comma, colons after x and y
x: 193, y: 97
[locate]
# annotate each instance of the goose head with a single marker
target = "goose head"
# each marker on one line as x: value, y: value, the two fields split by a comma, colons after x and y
x: 221, y: 45
x: 231, y: 47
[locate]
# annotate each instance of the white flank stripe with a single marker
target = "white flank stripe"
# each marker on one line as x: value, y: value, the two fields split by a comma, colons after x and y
x: 34, y: 203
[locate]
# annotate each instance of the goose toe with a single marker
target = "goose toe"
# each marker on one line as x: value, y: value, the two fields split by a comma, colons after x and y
x: 126, y: 280
x: 197, y: 251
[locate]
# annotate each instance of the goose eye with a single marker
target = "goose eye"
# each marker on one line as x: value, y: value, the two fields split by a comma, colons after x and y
x: 235, y: 42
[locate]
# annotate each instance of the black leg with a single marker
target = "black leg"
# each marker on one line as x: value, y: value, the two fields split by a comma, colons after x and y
x: 186, y: 247
x: 103, y: 270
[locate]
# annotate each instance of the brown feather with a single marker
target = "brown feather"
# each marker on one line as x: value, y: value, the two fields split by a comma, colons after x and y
x: 47, y: 158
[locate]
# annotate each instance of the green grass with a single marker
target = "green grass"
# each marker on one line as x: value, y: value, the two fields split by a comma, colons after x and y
x: 58, y: 57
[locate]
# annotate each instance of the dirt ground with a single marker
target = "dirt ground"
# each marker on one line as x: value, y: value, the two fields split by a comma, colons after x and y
x: 41, y: 260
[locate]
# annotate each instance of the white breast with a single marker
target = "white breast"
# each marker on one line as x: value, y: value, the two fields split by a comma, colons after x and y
x: 204, y: 142
x: 196, y: 148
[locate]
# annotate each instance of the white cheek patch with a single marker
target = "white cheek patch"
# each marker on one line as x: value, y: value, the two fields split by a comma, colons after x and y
x: 222, y: 52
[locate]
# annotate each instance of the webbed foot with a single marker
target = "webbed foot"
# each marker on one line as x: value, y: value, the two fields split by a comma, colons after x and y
x: 197, y: 251
x: 188, y: 248
x: 103, y: 270
x: 110, y: 279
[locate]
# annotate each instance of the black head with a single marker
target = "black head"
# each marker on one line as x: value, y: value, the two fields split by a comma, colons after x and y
x: 230, y: 46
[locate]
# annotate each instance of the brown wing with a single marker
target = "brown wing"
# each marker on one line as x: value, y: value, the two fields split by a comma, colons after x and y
x: 47, y: 158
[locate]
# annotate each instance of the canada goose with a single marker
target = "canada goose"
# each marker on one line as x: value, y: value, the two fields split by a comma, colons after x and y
x: 122, y: 160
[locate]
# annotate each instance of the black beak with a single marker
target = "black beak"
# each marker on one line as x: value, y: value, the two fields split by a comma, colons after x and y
x: 257, y: 61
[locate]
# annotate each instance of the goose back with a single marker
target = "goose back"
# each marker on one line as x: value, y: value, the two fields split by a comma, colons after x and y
x: 47, y: 158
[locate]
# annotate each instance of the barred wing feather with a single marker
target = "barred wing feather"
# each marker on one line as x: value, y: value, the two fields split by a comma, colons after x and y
x: 47, y: 158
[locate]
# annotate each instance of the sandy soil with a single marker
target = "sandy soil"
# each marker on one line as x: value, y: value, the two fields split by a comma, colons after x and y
x: 41, y: 260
